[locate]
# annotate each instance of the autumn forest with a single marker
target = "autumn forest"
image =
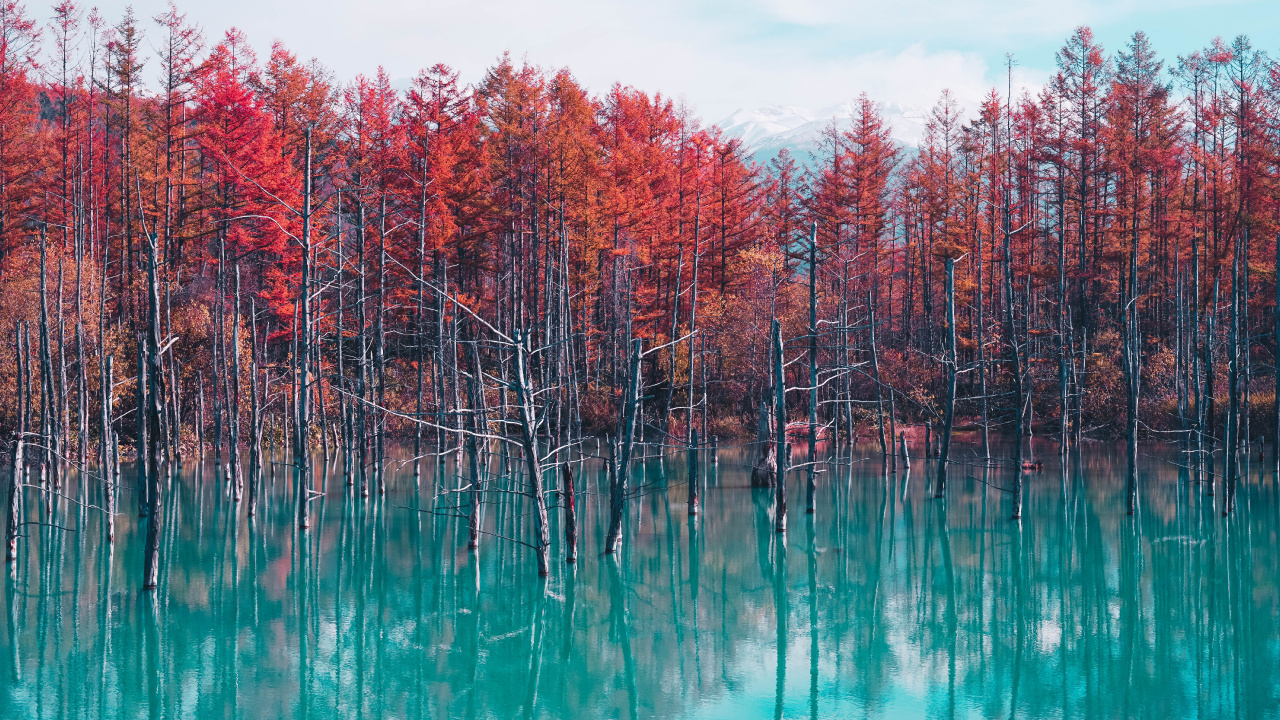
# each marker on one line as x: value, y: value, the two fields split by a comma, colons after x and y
x: 204, y: 252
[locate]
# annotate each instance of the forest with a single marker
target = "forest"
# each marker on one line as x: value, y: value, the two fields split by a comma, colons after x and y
x: 209, y: 254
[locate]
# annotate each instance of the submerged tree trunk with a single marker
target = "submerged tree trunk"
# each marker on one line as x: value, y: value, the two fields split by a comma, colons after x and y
x: 982, y: 359
x: 528, y: 418
x: 140, y: 444
x: 948, y: 420
x: 477, y: 423
x: 200, y: 426
x: 1231, y: 451
x: 107, y: 448
x: 764, y: 472
x: 570, y: 515
x: 13, y: 518
x: 255, y: 411
x: 780, y: 428
x: 1064, y: 347
x: 302, y: 419
x: 693, y: 474
x: 1132, y: 368
x: 155, y: 382
x: 620, y: 468
x: 82, y: 392
x: 1016, y: 353
x: 51, y: 424
x: 811, y: 484
x: 233, y: 397
x: 693, y: 325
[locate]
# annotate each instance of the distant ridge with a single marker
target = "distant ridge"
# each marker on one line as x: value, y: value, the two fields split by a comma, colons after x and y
x: 771, y: 128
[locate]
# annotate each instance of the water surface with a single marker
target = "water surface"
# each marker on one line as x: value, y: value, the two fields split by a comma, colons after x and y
x: 884, y: 603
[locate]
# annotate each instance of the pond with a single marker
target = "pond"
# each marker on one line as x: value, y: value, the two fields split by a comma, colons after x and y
x: 883, y: 603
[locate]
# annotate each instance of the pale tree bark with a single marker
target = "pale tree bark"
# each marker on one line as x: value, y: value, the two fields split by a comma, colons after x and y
x: 944, y: 453
x: 875, y: 376
x: 478, y: 424
x: 693, y: 474
x: 780, y: 428
x: 155, y: 382
x: 528, y: 418
x: 620, y: 468
x: 302, y: 424
x: 13, y: 518
x: 1016, y: 353
x: 107, y: 448
x: 811, y: 484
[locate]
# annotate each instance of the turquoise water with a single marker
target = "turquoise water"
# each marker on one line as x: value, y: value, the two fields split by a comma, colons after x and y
x: 885, y: 603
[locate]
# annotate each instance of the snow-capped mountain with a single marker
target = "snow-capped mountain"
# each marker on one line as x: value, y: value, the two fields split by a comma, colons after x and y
x: 773, y: 127
x: 752, y: 126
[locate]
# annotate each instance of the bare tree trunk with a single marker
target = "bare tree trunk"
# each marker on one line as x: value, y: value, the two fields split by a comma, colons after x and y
x: 302, y: 421
x: 693, y: 474
x: 478, y: 423
x: 693, y: 321
x: 219, y: 360
x: 200, y: 426
x: 317, y: 371
x: 621, y: 468
x: 143, y: 485
x: 380, y: 356
x: 764, y: 472
x: 174, y: 423
x: 421, y: 328
x: 1016, y: 352
x: 944, y: 454
x: 108, y: 463
x: 437, y: 366
x: 780, y: 428
x: 875, y: 376
x: 1210, y: 392
x: 167, y: 404
x: 1132, y: 373
x: 237, y: 474
x: 14, y: 515
x: 340, y: 342
x: 60, y: 378
x: 982, y: 359
x: 155, y: 395
x: 811, y: 483
x: 1064, y: 348
x: 255, y: 412
x: 51, y: 424
x: 362, y: 366
x: 1231, y: 452
x: 533, y: 462
x: 570, y: 515
x: 675, y: 348
x: 82, y: 396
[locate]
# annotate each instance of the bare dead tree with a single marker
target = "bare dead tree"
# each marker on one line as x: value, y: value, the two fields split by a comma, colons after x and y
x: 780, y: 423
x: 154, y: 461
x: 620, y: 453
x: 13, y: 518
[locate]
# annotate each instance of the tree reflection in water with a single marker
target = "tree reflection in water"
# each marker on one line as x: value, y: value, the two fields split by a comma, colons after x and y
x: 894, y: 602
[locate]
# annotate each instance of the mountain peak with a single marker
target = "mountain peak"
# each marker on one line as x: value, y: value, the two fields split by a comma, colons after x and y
x: 768, y: 129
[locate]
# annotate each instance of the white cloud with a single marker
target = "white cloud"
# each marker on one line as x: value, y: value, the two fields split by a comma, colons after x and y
x: 719, y: 54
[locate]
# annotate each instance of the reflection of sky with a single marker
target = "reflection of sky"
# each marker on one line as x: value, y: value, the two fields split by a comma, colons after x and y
x: 918, y: 609
x: 724, y: 55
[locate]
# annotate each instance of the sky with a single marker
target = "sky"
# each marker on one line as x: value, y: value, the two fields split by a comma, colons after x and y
x: 722, y: 55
